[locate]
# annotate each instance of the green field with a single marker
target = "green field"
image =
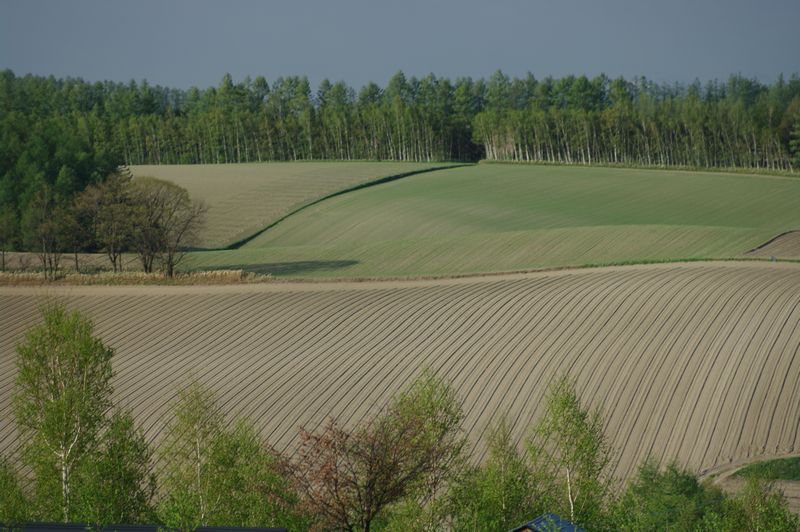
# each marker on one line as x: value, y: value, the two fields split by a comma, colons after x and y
x: 779, y: 469
x: 491, y: 218
x: 245, y: 198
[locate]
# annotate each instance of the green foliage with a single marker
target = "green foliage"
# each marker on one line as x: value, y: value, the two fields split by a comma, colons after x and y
x: 570, y: 457
x: 759, y: 507
x: 8, y: 232
x: 669, y: 499
x: 216, y: 476
x: 499, y: 494
x: 14, y: 505
x: 778, y: 469
x: 250, y: 483
x: 794, y: 142
x: 405, y: 456
x: 63, y: 389
x: 186, y: 452
x: 117, y: 485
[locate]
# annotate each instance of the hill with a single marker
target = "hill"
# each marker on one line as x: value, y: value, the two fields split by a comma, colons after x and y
x: 699, y: 361
x: 243, y: 199
x: 500, y: 218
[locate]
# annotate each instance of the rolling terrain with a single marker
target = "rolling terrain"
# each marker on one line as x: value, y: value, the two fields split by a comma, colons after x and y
x: 694, y: 361
x: 503, y: 218
x: 784, y: 246
x: 243, y: 199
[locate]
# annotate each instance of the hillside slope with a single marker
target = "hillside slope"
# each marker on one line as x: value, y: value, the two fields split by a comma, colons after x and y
x: 695, y: 361
x: 245, y: 198
x: 500, y: 218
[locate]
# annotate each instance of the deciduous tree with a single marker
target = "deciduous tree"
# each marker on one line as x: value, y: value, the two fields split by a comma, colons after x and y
x: 117, y: 484
x: 500, y: 493
x: 219, y: 476
x: 167, y: 221
x: 349, y: 477
x: 43, y: 231
x: 570, y: 456
x: 8, y: 231
x: 63, y: 390
x: 15, y: 508
x: 109, y: 208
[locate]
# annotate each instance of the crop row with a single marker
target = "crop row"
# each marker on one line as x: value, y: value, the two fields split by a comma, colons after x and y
x: 697, y: 361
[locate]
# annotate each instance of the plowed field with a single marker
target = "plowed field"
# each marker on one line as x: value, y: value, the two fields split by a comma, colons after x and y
x: 786, y: 246
x: 699, y: 361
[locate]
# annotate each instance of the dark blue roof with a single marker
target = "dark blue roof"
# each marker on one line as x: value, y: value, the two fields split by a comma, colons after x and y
x: 548, y: 523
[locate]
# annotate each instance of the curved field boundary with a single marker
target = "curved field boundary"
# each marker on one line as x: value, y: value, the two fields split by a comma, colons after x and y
x: 372, y: 183
x: 245, y: 198
x: 694, y: 361
x: 785, y: 246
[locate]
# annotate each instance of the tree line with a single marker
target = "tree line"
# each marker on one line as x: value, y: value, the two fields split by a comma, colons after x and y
x: 68, y: 133
x: 153, y: 218
x: 407, y: 468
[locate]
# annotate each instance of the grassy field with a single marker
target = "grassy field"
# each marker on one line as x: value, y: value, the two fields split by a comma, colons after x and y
x: 245, y: 198
x: 494, y: 218
x: 779, y: 469
x: 698, y: 362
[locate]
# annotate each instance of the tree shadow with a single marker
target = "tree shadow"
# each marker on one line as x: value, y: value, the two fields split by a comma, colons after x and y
x: 291, y: 268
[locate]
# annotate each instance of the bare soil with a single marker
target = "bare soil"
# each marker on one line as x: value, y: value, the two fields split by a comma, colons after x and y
x: 694, y: 361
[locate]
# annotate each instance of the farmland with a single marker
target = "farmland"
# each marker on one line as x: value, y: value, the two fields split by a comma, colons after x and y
x: 245, y: 198
x: 500, y: 218
x: 699, y: 361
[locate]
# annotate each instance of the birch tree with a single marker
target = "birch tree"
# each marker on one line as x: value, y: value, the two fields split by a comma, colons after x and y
x: 216, y: 476
x: 570, y: 456
x: 63, y: 391
x: 499, y: 494
x: 187, y: 480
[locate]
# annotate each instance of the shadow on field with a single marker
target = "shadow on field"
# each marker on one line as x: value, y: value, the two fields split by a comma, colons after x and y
x: 293, y: 268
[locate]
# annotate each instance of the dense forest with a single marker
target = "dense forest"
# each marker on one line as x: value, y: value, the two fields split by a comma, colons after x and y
x: 68, y: 133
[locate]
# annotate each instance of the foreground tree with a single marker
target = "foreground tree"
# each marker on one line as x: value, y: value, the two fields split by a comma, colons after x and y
x: 14, y: 506
x: 186, y: 480
x: 219, y: 476
x: 63, y: 390
x: 251, y: 487
x: 349, y: 477
x: 500, y: 493
x: 671, y: 499
x: 117, y: 484
x: 760, y: 506
x: 570, y: 456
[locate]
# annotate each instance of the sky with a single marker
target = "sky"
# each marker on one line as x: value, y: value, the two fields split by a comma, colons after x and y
x: 184, y: 43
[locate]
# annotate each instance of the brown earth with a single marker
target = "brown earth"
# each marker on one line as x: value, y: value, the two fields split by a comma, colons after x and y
x: 785, y: 246
x: 694, y: 361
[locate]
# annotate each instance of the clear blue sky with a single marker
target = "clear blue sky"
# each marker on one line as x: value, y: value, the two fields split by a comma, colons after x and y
x: 181, y: 43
